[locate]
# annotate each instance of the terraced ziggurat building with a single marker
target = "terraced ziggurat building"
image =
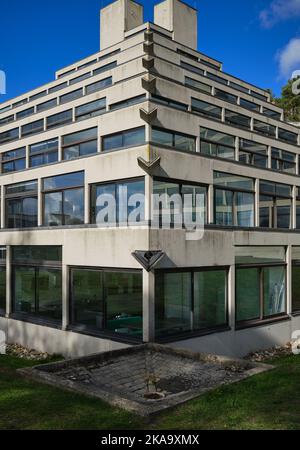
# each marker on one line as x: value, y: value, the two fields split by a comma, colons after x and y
x: 148, y: 114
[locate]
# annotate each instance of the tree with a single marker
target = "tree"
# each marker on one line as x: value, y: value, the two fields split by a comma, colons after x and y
x: 289, y: 102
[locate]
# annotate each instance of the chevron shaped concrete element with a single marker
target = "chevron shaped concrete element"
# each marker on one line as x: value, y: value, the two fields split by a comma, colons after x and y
x: 149, y: 48
x: 148, y: 116
x: 149, y: 258
x: 149, y: 83
x: 148, y: 62
x: 149, y: 166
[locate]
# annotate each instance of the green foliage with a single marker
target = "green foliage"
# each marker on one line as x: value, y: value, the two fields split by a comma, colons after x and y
x: 289, y: 102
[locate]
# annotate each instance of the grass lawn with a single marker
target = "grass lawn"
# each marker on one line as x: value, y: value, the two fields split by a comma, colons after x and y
x: 267, y: 401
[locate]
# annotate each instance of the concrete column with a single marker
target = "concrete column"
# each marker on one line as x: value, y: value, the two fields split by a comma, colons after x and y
x: 231, y: 297
x: 86, y: 203
x: 40, y: 203
x: 8, y: 281
x: 65, y: 297
x: 148, y: 133
x: 27, y: 157
x: 294, y: 208
x: 237, y: 149
x: 289, y: 279
x: 256, y: 221
x: 148, y: 198
x: 2, y: 206
x: 269, y: 157
x: 198, y: 148
x: 210, y: 204
x: 297, y: 164
x: 148, y: 306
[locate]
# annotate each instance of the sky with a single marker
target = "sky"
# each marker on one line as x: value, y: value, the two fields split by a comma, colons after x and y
x: 257, y: 40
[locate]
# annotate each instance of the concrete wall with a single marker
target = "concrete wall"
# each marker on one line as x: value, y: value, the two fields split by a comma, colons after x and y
x: 180, y: 18
x: 116, y: 19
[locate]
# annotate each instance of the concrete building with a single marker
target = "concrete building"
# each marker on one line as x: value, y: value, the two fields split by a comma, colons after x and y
x: 148, y: 114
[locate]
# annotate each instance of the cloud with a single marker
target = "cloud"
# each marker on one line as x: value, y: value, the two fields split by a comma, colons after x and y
x: 289, y: 58
x: 279, y: 11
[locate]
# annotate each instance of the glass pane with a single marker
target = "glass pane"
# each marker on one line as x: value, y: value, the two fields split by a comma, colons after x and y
x: 64, y: 181
x: 209, y: 299
x: 244, y: 209
x: 87, y: 298
x: 100, y: 196
x: 247, y: 294
x: 185, y: 143
x: 112, y: 142
x: 13, y: 166
x: 164, y: 204
x: 162, y: 137
x: 206, y: 108
x: 217, y: 137
x: 24, y: 290
x: 123, y: 300
x: 81, y: 136
x: 199, y: 199
x: 173, y: 303
x: 53, y: 213
x: 43, y: 159
x: 2, y: 288
x: 296, y: 288
x: 233, y: 181
x: 49, y: 293
x: 274, y: 290
x: 73, y: 207
x: 88, y: 148
x: 223, y: 207
x: 259, y: 255
x: 134, y: 137
x: 44, y: 146
x: 283, y: 208
x: 37, y: 253
x: 266, y: 211
x: 27, y: 186
x: 22, y: 213
x: 71, y: 152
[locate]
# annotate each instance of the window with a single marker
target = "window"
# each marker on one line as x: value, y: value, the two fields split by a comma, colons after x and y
x: 198, y: 85
x: 206, y: 109
x: 234, y: 200
x: 128, y: 138
x: 187, y: 55
x: 63, y: 197
x: 128, y: 202
x: 14, y: 160
x: 259, y: 96
x: 67, y: 73
x: 283, y: 161
x: 178, y: 203
x: 10, y: 135
x: 89, y: 63
x: 260, y: 288
x: 80, y: 78
x: 249, y: 105
x: 173, y: 139
x: 275, y: 205
x: 237, y: 120
x: 58, y: 87
x: 107, y: 301
x: 21, y: 202
x: 102, y: 69
x: 7, y: 119
x: 38, y: 95
x: 191, y: 68
x: 264, y: 128
x: 238, y: 87
x: 99, y: 85
x: 253, y: 153
x: 127, y: 102
x: 25, y: 113
x: 37, y: 282
x: 170, y: 102
x: 82, y: 143
x: 43, y: 153
x: 46, y: 105
x: 59, y: 119
x: 216, y: 78
x: 226, y: 96
x: 287, y: 136
x: 32, y: 128
x: 190, y: 301
x: 20, y: 103
x: 271, y: 113
x: 2, y: 280
x: 91, y: 109
x: 70, y: 96
x: 214, y: 143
